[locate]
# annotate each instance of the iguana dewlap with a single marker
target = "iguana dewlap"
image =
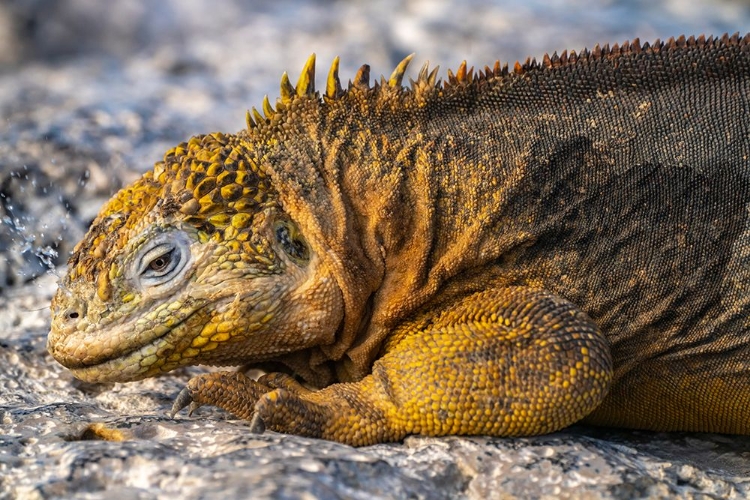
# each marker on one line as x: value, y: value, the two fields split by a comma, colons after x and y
x: 504, y: 253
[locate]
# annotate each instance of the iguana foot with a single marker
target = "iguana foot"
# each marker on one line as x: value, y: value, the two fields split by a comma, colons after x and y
x: 233, y: 391
x: 238, y: 394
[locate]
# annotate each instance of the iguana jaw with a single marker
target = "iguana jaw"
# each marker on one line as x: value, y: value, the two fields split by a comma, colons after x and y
x: 170, y: 334
x: 129, y: 360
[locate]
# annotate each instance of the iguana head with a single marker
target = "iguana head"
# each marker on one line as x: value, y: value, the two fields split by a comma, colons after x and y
x: 245, y: 248
x: 199, y: 261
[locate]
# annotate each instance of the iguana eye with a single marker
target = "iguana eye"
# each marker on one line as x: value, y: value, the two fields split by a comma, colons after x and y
x: 161, y: 264
x: 291, y: 240
x: 162, y: 259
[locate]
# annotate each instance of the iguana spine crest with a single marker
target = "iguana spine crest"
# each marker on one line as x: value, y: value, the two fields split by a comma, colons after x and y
x: 463, y: 76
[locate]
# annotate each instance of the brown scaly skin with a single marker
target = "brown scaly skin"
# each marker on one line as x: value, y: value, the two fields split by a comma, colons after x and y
x: 505, y: 253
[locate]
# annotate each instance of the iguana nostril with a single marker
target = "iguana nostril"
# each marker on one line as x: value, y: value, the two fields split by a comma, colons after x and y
x: 74, y: 313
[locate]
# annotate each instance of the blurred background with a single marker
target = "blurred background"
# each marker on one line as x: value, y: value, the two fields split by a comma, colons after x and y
x: 93, y: 92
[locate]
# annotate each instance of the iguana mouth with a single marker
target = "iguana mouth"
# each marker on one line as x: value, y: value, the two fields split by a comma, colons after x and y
x: 134, y: 355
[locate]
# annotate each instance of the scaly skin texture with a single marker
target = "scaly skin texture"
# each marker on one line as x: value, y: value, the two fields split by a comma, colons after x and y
x: 504, y: 253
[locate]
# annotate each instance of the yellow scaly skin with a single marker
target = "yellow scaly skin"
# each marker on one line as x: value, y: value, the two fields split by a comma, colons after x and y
x: 350, y: 243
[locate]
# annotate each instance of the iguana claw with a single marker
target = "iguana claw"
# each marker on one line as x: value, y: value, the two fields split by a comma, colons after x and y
x: 183, y: 400
x: 257, y: 425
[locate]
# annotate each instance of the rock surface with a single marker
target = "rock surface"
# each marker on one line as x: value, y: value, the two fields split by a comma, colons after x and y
x: 92, y: 93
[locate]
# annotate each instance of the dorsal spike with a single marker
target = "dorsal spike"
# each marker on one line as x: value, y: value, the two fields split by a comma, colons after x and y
x: 287, y: 91
x: 267, y: 108
x: 258, y: 117
x: 423, y: 72
x: 333, y: 84
x: 432, y: 77
x: 461, y: 72
x: 249, y: 120
x: 398, y: 74
x: 306, y: 83
x: 362, y: 78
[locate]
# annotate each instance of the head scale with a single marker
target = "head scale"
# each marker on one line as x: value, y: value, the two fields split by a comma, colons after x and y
x: 209, y: 182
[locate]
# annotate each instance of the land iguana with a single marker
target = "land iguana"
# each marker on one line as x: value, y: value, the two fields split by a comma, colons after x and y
x: 505, y: 253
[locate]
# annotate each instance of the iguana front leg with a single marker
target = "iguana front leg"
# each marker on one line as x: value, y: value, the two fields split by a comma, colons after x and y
x: 503, y: 362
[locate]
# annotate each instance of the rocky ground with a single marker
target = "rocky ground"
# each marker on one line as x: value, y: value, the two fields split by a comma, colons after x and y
x: 92, y: 93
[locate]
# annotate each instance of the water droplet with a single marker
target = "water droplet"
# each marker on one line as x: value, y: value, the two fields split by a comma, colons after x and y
x: 47, y: 255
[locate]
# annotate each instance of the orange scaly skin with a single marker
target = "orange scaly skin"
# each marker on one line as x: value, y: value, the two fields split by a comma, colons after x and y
x: 504, y: 253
